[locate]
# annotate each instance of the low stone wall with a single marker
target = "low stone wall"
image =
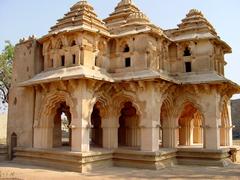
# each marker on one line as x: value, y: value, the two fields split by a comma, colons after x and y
x: 203, y: 157
x: 101, y: 158
x: 64, y: 160
x: 3, y: 128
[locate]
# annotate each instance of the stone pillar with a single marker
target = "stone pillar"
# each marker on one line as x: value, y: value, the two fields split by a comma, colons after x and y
x: 170, y: 131
x: 230, y: 138
x: 80, y: 125
x: 149, y: 125
x: 212, y: 120
x: 110, y: 132
x: 149, y: 138
x: 43, y: 138
x: 80, y: 140
x: 169, y: 137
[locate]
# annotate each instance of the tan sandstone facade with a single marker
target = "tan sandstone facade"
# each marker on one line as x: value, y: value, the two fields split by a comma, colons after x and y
x: 132, y: 93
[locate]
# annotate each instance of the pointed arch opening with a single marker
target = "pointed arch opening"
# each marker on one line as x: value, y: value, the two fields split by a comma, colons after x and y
x: 129, y: 130
x: 96, y: 132
x: 59, y: 44
x: 126, y: 48
x: 164, y: 123
x: 190, y: 122
x: 61, y: 131
x: 225, y: 126
x: 51, y: 127
x: 113, y: 47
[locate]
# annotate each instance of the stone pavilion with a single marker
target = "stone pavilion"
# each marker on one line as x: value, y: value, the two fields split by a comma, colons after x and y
x: 131, y: 93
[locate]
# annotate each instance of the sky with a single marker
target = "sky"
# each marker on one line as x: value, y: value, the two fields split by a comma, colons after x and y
x: 22, y: 18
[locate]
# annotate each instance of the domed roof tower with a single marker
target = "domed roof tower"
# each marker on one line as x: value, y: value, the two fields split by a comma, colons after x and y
x: 80, y: 16
x: 196, y: 27
x: 126, y: 17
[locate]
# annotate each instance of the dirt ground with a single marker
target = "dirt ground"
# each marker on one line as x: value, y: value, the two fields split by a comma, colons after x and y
x: 10, y: 170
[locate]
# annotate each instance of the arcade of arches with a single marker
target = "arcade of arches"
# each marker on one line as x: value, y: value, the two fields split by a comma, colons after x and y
x: 111, y: 126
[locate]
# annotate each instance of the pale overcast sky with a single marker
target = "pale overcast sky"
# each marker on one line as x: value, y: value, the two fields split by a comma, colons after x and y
x: 21, y: 18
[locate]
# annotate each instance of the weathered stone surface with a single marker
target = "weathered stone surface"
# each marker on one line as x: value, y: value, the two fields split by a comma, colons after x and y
x: 235, y: 104
x: 122, y: 83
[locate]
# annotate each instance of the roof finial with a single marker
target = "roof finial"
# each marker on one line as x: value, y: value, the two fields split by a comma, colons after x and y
x: 124, y: 2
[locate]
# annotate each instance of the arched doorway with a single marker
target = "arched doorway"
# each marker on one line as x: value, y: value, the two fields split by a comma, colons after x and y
x: 129, y: 130
x: 96, y: 133
x: 61, y: 131
x: 190, y: 126
x: 225, y: 126
x: 166, y: 111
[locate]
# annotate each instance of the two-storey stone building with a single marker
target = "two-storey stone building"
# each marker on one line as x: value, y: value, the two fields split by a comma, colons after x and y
x: 133, y: 93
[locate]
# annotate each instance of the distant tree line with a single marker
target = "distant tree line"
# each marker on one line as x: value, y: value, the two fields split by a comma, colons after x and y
x: 6, y: 62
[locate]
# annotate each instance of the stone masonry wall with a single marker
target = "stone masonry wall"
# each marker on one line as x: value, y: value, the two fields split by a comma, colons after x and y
x: 236, y: 118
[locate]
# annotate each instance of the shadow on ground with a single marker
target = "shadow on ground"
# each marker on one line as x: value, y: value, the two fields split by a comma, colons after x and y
x: 176, y: 172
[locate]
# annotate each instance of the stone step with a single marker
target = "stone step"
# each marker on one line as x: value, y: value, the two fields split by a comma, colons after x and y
x: 64, y: 160
x: 203, y: 157
x: 3, y: 152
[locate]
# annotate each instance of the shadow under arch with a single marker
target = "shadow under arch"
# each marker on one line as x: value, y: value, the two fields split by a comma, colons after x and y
x: 190, y: 121
x: 225, y: 127
x: 44, y: 125
x: 129, y: 113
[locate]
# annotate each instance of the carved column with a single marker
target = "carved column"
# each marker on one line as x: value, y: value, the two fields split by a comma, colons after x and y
x: 150, y: 121
x: 80, y: 124
x: 170, y: 130
x: 110, y: 130
x: 149, y: 138
x: 230, y: 138
x: 80, y: 129
x: 212, y: 118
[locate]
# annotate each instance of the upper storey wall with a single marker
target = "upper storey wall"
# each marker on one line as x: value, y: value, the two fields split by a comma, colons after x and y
x: 75, y: 49
x: 196, y: 56
x: 131, y: 53
x: 139, y: 52
x: 28, y: 62
x: 204, y: 48
x: 190, y: 56
x: 28, y: 59
x: 129, y: 42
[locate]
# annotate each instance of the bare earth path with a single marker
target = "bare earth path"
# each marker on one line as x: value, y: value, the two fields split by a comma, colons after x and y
x: 16, y: 171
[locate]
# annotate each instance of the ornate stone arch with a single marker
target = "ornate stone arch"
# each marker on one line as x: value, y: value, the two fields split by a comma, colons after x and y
x: 103, y: 102
x: 167, y: 105
x: 121, y: 98
x: 185, y: 123
x: 124, y: 44
x: 59, y: 43
x: 182, y: 101
x: 49, y: 104
x: 225, y: 121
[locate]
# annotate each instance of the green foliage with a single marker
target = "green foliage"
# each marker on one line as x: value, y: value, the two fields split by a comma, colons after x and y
x: 6, y: 61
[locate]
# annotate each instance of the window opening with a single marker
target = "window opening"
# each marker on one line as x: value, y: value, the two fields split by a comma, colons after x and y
x: 187, y: 52
x: 62, y: 60
x: 188, y: 66
x: 127, y: 62
x: 74, y: 59
x: 73, y: 43
x: 126, y: 48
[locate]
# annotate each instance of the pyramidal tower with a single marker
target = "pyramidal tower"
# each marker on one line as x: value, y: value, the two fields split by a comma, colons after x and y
x: 80, y: 16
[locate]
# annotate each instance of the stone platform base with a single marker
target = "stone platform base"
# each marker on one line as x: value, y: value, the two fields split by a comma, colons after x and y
x: 64, y: 160
x: 195, y: 156
x: 145, y: 160
x: 3, y: 152
x: 124, y: 157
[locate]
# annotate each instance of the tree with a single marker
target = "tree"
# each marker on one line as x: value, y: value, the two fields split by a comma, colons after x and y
x: 6, y: 61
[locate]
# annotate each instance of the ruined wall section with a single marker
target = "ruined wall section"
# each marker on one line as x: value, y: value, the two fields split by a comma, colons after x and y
x: 235, y: 104
x: 27, y: 63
